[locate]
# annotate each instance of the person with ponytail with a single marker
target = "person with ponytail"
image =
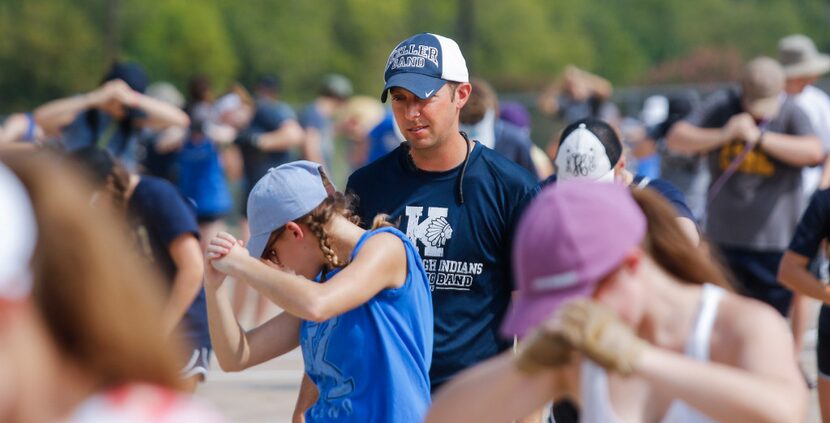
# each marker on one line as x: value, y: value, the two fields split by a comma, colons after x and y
x: 162, y: 225
x: 81, y: 318
x: 357, y: 301
x: 617, y: 310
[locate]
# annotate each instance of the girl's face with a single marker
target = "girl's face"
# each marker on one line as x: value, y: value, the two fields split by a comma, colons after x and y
x: 623, y: 292
x: 294, y: 249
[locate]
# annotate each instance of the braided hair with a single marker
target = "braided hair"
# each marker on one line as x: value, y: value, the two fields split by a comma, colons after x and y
x: 335, y: 204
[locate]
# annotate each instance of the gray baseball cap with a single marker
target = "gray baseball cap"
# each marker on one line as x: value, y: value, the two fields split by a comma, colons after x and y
x: 285, y: 193
x: 762, y: 82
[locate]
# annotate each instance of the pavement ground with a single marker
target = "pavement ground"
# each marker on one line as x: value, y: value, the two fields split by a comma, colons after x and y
x: 267, y: 393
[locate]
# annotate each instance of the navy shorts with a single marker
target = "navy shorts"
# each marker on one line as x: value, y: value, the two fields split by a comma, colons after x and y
x: 757, y: 275
x: 823, y: 344
x: 197, y: 363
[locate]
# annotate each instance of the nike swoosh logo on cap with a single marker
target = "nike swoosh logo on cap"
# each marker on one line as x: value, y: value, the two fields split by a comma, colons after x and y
x: 429, y: 93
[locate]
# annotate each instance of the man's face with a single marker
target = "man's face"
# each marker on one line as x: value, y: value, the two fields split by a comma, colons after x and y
x: 426, y: 123
x: 794, y: 86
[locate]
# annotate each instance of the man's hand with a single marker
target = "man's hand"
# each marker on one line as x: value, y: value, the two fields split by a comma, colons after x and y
x: 743, y: 127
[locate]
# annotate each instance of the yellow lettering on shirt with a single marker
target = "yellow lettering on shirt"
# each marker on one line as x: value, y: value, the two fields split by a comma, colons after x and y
x: 755, y: 162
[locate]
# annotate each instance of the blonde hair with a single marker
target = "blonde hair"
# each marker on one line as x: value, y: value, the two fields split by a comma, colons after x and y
x: 361, y: 113
x: 98, y: 301
x: 335, y: 204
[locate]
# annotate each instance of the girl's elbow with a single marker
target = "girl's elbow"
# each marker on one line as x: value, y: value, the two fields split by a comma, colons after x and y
x: 317, y: 309
x: 316, y: 313
x: 791, y: 408
x: 818, y: 157
x: 789, y: 414
x: 229, y: 366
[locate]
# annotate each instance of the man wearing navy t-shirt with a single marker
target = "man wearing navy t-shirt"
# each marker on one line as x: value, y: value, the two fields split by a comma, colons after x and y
x: 456, y: 200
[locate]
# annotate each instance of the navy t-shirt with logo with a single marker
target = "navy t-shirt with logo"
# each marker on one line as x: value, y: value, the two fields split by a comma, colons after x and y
x: 158, y: 215
x: 465, y: 247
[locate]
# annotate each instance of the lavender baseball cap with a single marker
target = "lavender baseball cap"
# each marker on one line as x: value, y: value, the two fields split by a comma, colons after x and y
x: 571, y: 236
x: 285, y: 193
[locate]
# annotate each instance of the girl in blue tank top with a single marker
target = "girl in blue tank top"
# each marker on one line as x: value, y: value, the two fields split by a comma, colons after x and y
x: 357, y: 301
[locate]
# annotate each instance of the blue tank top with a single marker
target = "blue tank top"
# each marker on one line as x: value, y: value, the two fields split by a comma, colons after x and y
x: 371, y: 364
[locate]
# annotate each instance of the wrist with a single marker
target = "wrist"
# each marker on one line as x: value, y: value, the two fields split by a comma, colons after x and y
x: 541, y: 351
x: 724, y: 136
x: 760, y: 142
x: 134, y: 100
x: 89, y: 100
x: 646, y: 354
x: 237, y: 268
x: 213, y: 285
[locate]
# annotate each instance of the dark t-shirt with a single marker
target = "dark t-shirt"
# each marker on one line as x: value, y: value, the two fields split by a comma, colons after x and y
x: 269, y: 116
x: 465, y: 247
x: 668, y: 191
x: 158, y: 215
x: 758, y: 206
x: 664, y: 188
x: 513, y: 143
x: 813, y: 228
x: 94, y: 127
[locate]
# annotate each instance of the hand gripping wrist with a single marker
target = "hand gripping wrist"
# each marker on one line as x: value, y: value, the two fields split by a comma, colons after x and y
x: 601, y: 336
x: 542, y: 350
x: 760, y: 139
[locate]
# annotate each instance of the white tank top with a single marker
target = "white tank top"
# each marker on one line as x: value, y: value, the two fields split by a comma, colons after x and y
x: 596, y: 404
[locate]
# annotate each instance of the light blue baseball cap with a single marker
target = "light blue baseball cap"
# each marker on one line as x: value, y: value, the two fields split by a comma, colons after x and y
x: 285, y: 193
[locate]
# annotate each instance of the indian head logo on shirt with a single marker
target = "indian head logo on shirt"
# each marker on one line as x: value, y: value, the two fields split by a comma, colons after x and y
x: 433, y: 232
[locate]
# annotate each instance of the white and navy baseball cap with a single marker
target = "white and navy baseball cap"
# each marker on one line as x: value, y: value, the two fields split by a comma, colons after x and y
x: 422, y: 64
x: 285, y: 193
x: 17, y: 245
x: 588, y: 149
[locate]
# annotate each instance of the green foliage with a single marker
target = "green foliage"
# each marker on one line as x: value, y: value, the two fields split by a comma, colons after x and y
x: 46, y: 50
x: 51, y: 48
x: 175, y: 39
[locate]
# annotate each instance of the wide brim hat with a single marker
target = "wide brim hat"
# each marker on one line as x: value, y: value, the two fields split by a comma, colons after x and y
x: 800, y: 58
x: 815, y: 66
